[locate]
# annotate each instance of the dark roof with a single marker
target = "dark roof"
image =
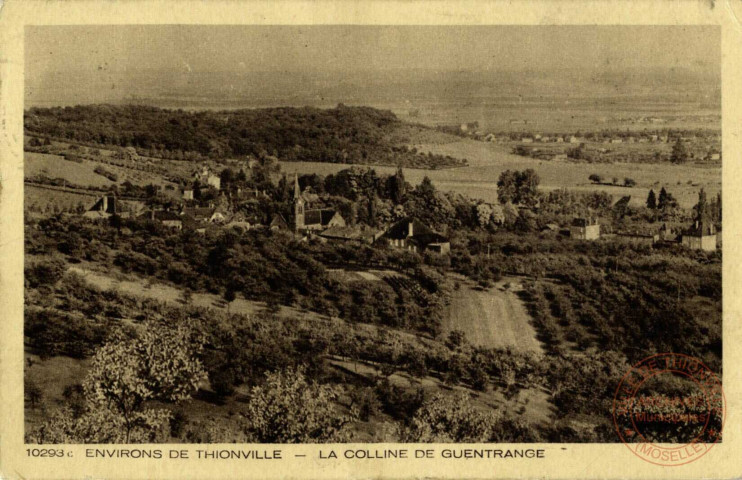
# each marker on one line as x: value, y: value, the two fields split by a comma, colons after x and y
x: 700, y: 229
x: 160, y: 215
x: 421, y: 233
x: 199, y: 212
x: 349, y: 233
x: 98, y: 205
x: 318, y: 216
x: 640, y: 234
x: 163, y: 215
x: 583, y: 222
x: 279, y: 221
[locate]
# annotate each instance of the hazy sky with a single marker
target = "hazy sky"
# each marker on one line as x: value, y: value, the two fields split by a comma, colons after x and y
x: 317, y: 48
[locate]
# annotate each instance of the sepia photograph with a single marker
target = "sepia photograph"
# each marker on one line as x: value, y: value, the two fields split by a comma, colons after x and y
x: 370, y: 234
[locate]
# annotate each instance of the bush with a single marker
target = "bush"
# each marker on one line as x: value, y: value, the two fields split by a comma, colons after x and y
x: 45, y: 273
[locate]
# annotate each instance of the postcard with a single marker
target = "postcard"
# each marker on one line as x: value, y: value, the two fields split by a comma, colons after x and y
x: 370, y: 239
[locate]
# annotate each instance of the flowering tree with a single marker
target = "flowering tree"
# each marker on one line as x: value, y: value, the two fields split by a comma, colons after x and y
x: 159, y: 364
x: 290, y: 409
x: 450, y: 418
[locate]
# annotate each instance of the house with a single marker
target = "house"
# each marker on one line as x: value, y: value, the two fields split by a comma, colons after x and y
x: 165, y: 217
x: 573, y: 139
x: 617, y: 140
x: 204, y: 214
x: 187, y: 194
x: 526, y: 140
x: 214, y: 181
x: 103, y: 207
x: 206, y: 177
x: 584, y: 229
x: 700, y: 236
x: 560, y: 140
x: 411, y: 234
x: 278, y: 223
x: 240, y: 225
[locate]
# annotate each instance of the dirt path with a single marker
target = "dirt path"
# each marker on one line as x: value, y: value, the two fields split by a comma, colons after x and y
x: 494, y: 318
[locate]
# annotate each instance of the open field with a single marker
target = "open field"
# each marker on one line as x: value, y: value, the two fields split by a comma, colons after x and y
x: 487, y: 161
x: 41, y: 197
x: 55, y: 166
x: 493, y: 318
x: 561, y: 113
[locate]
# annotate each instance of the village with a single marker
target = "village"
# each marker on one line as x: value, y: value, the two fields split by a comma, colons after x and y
x: 310, y: 218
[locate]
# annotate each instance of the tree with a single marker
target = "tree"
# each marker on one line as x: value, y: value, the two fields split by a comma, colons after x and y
x: 651, y: 200
x: 527, y: 183
x: 595, y: 178
x: 702, y: 207
x: 506, y: 187
x: 32, y: 392
x: 629, y: 182
x: 679, y: 152
x: 450, y: 418
x: 396, y: 186
x: 229, y: 296
x: 288, y: 408
x: 662, y: 199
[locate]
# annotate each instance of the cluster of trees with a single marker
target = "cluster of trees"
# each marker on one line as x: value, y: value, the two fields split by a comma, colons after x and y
x: 627, y: 182
x: 665, y: 202
x: 357, y: 135
x: 624, y: 303
x: 141, y: 373
x: 281, y: 269
x: 518, y: 187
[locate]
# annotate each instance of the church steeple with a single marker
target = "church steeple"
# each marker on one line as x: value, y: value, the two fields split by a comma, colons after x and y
x: 298, y: 205
x: 297, y: 190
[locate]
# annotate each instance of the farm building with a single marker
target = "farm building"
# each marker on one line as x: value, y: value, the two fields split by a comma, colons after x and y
x: 413, y: 235
x: 700, y: 236
x: 166, y: 218
x: 584, y: 229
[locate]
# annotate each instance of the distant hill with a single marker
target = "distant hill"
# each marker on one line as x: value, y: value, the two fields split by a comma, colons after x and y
x: 353, y: 135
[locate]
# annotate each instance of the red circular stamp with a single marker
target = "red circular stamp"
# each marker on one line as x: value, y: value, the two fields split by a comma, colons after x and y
x: 669, y: 409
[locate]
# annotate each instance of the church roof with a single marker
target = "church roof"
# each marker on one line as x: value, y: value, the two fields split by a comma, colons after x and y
x: 421, y: 233
x: 318, y: 216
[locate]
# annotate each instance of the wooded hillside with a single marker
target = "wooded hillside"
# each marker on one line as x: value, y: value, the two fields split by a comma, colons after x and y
x: 357, y: 135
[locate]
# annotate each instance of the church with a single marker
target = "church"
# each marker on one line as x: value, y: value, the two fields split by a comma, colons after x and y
x: 307, y: 219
